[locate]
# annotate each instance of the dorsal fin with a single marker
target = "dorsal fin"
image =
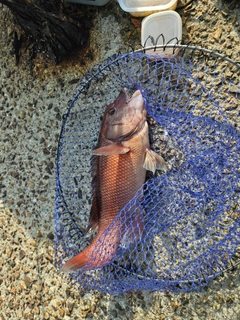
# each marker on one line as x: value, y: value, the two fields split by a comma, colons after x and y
x: 95, y: 209
x: 94, y: 215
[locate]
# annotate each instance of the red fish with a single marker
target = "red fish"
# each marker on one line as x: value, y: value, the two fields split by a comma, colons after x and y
x: 121, y: 159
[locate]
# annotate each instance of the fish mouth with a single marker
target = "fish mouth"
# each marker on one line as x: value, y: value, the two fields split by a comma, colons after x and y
x: 126, y: 116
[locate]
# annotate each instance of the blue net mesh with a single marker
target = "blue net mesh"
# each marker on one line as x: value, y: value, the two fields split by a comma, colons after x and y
x: 191, y: 221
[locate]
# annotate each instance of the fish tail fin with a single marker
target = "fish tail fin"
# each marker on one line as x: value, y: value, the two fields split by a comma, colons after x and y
x: 97, y: 254
x: 77, y: 262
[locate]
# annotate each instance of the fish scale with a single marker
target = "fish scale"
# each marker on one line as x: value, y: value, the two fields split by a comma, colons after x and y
x: 120, y: 178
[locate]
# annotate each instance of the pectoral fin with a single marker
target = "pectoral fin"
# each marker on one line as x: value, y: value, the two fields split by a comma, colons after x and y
x: 111, y: 149
x: 153, y: 161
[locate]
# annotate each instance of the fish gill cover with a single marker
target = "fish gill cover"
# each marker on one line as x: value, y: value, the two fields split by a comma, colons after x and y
x: 191, y: 228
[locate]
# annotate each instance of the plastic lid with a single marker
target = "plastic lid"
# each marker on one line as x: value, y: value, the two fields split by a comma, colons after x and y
x: 161, y: 28
x: 146, y: 5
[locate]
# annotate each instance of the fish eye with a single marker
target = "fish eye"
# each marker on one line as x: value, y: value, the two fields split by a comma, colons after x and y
x: 111, y: 111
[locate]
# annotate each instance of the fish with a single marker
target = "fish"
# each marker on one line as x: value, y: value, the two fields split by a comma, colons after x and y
x: 120, y: 161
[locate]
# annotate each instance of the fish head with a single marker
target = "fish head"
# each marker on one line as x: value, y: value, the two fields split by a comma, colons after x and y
x: 124, y: 117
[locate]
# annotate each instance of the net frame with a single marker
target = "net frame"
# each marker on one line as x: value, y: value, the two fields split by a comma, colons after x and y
x: 191, y: 62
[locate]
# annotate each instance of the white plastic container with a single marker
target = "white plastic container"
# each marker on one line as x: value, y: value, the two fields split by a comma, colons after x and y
x: 90, y: 2
x: 160, y: 29
x: 142, y: 8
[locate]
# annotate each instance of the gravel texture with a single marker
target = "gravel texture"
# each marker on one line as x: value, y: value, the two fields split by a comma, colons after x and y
x: 33, y: 99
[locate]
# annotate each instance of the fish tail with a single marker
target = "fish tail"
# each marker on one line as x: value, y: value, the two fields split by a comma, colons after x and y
x: 77, y: 262
x: 95, y: 255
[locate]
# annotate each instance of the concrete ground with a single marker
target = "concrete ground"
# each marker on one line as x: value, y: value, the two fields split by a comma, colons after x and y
x: 33, y: 100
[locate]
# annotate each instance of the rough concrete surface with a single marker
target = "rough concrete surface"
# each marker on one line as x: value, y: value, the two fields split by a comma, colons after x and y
x: 33, y: 99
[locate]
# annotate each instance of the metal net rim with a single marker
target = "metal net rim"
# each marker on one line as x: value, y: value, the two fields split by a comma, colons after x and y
x: 97, y: 69
x: 174, y: 47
